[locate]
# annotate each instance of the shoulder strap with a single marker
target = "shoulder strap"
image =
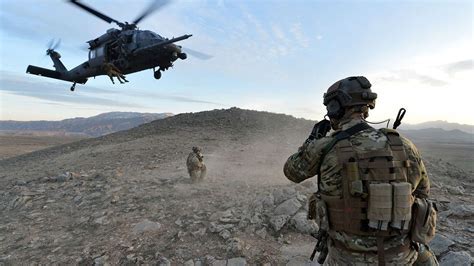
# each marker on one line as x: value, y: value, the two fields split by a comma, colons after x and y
x: 393, y: 136
x: 398, y: 149
x: 345, y: 134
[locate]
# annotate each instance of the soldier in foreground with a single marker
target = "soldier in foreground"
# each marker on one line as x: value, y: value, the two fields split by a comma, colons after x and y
x: 372, y: 202
x: 196, y: 167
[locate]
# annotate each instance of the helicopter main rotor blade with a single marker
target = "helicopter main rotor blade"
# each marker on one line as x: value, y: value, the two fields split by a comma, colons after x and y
x: 155, y: 5
x: 197, y: 54
x: 95, y: 12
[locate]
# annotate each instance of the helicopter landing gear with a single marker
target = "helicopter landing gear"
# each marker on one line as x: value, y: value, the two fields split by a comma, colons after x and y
x: 73, y: 87
x: 157, y: 74
x: 182, y: 56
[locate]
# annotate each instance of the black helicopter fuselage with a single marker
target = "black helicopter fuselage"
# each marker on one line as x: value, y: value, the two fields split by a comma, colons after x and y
x: 129, y: 50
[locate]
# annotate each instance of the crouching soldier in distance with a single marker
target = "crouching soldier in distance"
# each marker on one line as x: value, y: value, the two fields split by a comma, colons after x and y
x: 196, y: 167
x: 112, y: 71
x: 372, y: 203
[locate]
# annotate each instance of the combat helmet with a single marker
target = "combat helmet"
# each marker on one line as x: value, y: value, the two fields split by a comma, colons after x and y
x: 351, y: 91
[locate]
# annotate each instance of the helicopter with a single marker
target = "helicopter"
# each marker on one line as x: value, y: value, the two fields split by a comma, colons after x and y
x: 128, y: 48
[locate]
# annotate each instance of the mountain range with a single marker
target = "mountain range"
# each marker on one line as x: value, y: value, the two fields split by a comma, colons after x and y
x: 439, y: 124
x: 107, y: 123
x: 94, y: 126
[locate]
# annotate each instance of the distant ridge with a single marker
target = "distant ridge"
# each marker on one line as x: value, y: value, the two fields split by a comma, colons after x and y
x: 93, y: 126
x: 106, y: 123
x: 439, y: 124
x: 438, y: 135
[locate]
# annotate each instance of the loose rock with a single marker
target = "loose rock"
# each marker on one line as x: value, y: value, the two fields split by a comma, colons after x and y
x: 145, y: 226
x: 301, y: 223
x: 236, y: 262
x: 277, y: 222
x: 440, y: 244
x: 289, y: 207
x: 461, y: 258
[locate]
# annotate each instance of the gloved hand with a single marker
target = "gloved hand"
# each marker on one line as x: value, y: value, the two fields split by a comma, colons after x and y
x: 320, y: 130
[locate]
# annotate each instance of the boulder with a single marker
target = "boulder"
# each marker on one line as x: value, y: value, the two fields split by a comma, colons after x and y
x: 236, y: 262
x: 280, y: 195
x: 461, y: 258
x: 268, y: 202
x: 235, y: 246
x: 189, y: 263
x: 277, y: 222
x: 301, y: 223
x: 288, y: 207
x: 462, y: 211
x: 440, y: 244
x: 145, y: 226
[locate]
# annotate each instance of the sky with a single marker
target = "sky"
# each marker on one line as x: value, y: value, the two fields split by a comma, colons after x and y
x: 278, y: 56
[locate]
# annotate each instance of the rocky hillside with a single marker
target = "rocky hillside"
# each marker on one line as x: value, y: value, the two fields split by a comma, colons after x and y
x: 94, y: 126
x: 125, y: 198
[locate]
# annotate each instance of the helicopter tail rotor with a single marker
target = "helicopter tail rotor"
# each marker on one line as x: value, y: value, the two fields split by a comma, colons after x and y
x: 53, y: 44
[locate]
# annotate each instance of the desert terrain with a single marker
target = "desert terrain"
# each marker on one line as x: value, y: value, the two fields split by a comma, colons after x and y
x: 14, y: 144
x: 126, y: 198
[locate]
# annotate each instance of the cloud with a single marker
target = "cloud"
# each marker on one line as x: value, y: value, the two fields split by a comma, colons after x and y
x: 176, y: 98
x: 297, y: 31
x: 405, y: 75
x: 58, y: 93
x: 459, y: 66
x: 434, y: 75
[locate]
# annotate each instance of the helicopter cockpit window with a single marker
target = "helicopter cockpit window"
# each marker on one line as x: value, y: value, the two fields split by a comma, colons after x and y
x: 155, y: 35
x: 99, y: 51
x: 146, y: 35
x: 91, y: 54
x: 96, y: 52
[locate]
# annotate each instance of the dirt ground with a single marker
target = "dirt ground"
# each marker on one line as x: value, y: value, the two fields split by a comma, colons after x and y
x: 14, y: 144
x: 126, y: 198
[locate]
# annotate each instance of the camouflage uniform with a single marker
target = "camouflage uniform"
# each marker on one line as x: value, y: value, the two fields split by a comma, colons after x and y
x: 356, y: 249
x: 196, y: 168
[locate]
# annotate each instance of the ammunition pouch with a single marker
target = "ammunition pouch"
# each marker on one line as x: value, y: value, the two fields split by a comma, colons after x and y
x: 424, y: 221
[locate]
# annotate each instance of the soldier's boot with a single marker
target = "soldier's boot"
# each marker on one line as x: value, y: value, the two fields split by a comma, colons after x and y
x: 123, y: 77
x: 426, y: 257
x: 120, y: 80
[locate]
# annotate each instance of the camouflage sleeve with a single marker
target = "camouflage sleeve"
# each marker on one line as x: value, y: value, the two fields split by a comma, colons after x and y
x: 303, y: 164
x: 418, y: 176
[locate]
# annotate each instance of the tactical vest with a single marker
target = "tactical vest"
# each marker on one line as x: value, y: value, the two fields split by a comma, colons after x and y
x: 376, y: 196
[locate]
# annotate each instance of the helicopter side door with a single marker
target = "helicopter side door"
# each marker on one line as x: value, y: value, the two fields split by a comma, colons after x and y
x: 97, y: 56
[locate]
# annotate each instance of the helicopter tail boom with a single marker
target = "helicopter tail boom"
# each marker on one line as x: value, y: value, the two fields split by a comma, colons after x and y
x: 39, y: 71
x: 43, y: 72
